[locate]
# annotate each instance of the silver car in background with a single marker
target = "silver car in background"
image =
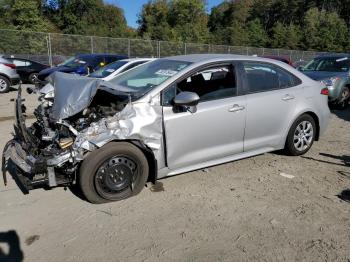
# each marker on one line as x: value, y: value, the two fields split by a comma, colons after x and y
x: 8, y: 75
x: 163, y: 118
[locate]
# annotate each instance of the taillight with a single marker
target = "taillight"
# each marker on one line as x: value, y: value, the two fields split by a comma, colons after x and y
x: 13, y: 66
x: 325, y: 91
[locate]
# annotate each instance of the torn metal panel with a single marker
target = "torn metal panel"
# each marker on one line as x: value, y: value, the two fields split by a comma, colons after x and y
x: 73, y: 93
x: 138, y: 121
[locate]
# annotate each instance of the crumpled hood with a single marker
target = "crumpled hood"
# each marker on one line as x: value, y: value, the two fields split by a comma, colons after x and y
x: 73, y: 93
x: 320, y: 75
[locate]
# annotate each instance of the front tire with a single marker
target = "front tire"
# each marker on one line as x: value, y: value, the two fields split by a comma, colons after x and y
x: 301, y: 136
x: 4, y: 84
x: 114, y: 172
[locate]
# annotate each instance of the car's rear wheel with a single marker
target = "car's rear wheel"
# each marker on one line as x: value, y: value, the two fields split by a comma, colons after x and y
x: 344, y: 98
x: 116, y: 171
x: 301, y: 136
x: 32, y: 78
x: 4, y: 84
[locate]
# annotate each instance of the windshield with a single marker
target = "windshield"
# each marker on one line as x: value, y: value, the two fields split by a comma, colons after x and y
x: 329, y: 64
x: 73, y: 62
x: 148, y: 76
x: 108, y: 69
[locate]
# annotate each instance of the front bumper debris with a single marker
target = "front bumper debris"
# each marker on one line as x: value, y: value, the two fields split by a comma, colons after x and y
x: 29, y: 171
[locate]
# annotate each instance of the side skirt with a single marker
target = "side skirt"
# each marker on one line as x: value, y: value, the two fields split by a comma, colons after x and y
x: 165, y: 172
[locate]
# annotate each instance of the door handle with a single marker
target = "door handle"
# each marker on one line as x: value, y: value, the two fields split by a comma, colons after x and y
x: 236, y: 108
x: 287, y: 97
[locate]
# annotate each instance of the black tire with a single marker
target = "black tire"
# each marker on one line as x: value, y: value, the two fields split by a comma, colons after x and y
x: 4, y: 84
x: 344, y: 100
x: 98, y: 190
x: 290, y: 147
x: 32, y: 78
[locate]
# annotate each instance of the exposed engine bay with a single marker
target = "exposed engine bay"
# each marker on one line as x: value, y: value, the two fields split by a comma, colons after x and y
x: 70, y: 123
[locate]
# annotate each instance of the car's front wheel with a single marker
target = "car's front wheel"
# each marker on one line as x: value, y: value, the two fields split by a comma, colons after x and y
x: 4, y: 84
x: 114, y: 172
x: 301, y: 136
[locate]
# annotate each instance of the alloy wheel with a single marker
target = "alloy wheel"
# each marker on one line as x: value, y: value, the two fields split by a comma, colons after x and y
x: 303, y: 136
x: 3, y: 85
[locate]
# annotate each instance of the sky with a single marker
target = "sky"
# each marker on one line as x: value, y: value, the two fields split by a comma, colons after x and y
x: 133, y: 7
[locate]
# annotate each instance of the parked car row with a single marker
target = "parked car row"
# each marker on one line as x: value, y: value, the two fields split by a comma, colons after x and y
x: 333, y: 71
x: 161, y: 118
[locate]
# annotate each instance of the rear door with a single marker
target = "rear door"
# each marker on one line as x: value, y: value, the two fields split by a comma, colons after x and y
x: 271, y: 94
x: 215, y: 129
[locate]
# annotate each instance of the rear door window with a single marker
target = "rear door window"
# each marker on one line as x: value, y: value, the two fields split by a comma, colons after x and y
x: 262, y: 77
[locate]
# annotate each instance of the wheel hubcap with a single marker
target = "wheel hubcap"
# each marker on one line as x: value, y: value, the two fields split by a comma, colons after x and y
x: 303, y: 136
x: 33, y: 78
x: 3, y: 84
x: 345, y: 95
x: 115, y: 175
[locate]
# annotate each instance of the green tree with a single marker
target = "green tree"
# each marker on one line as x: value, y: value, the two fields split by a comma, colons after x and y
x: 189, y: 20
x: 153, y: 21
x: 256, y: 33
x: 325, y: 31
x: 88, y: 17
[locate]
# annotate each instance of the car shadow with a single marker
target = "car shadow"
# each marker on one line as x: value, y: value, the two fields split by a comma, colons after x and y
x: 343, y: 114
x: 344, y: 159
x: 15, y: 254
x: 345, y: 195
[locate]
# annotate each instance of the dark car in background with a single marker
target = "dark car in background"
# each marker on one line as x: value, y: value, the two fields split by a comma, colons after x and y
x: 81, y: 64
x: 28, y: 70
x: 334, y: 72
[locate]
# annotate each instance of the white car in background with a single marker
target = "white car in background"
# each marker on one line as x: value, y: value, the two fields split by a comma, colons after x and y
x: 105, y: 73
x: 111, y: 70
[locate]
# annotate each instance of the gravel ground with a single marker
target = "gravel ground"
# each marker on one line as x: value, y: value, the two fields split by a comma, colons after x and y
x: 266, y: 208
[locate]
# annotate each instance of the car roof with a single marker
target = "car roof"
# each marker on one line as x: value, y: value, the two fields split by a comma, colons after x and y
x: 332, y: 56
x: 138, y: 59
x: 202, y: 58
x: 20, y: 58
x: 99, y: 55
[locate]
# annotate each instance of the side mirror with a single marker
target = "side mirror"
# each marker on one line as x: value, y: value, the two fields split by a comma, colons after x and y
x: 186, y: 99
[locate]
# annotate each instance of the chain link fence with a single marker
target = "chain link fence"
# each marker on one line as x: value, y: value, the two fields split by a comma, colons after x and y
x: 53, y: 48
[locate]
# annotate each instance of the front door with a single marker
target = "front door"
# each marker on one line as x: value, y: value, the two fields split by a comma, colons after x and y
x: 215, y: 129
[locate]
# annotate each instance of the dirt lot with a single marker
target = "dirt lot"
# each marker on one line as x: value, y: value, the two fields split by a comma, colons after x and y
x: 266, y: 208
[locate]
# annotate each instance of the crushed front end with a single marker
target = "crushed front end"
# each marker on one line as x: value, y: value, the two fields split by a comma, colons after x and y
x: 77, y: 116
x: 39, y: 156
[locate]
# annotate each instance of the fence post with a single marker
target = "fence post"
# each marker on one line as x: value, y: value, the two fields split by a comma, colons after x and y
x: 247, y: 50
x: 229, y: 49
x: 92, y: 44
x: 185, y: 49
x: 49, y: 49
x: 158, y: 49
x: 129, y: 47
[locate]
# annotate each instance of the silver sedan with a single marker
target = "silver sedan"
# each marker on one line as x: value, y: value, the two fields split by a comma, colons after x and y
x: 166, y: 117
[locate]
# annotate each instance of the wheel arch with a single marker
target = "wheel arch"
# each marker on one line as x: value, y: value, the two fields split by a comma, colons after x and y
x: 8, y: 79
x: 315, y: 118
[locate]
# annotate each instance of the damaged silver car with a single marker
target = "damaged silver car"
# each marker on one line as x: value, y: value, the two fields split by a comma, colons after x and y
x: 166, y: 117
